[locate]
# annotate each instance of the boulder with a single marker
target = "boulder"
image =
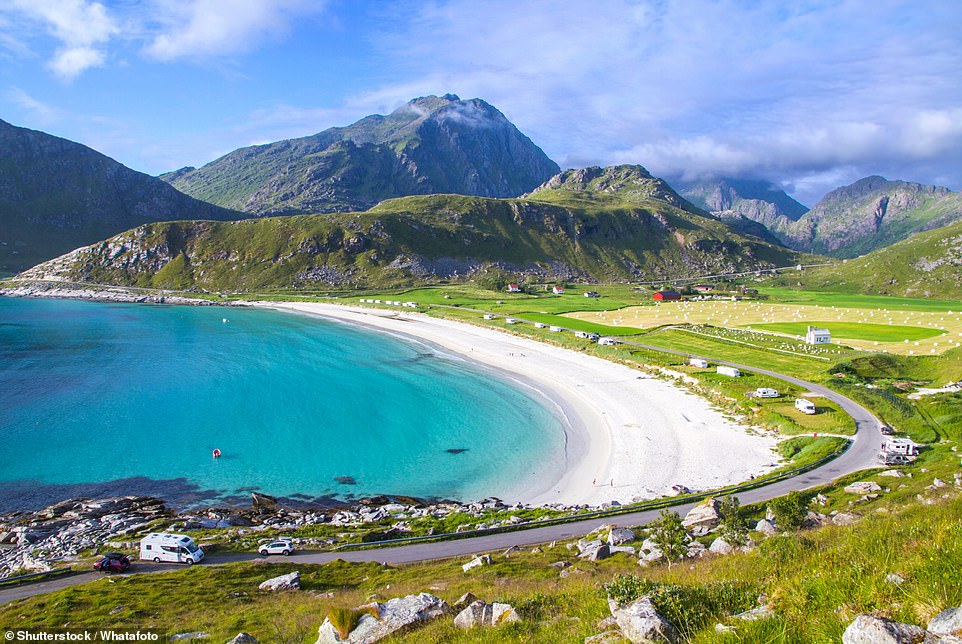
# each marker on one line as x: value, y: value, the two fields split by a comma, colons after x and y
x: 948, y: 622
x: 703, y: 518
x: 480, y: 613
x: 184, y: 637
x: 480, y: 560
x: 720, y: 547
x: 766, y: 526
x: 290, y: 581
x: 619, y: 536
x: 464, y: 601
x: 845, y: 518
x: 242, y: 638
x: 893, y: 473
x: 392, y: 616
x: 863, y: 487
x: 596, y: 553
x: 761, y: 612
x: 868, y: 629
x: 640, y: 622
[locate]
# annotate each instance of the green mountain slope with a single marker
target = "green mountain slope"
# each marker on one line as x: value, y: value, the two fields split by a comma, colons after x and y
x: 640, y: 230
x: 431, y: 145
x: 928, y: 264
x: 56, y: 195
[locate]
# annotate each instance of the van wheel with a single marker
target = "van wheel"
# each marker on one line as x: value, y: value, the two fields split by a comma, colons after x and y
x: 190, y: 562
x: 156, y: 559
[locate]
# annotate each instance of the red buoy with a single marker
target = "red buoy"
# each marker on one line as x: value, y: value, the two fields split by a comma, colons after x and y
x: 216, y: 453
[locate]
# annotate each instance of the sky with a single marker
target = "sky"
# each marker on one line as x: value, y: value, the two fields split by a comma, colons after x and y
x: 811, y: 95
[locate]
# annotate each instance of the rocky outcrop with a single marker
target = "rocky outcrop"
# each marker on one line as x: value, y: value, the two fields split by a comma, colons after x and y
x: 948, y: 622
x: 381, y: 620
x: 480, y: 613
x: 477, y: 562
x: 863, y: 487
x: 640, y: 622
x: 242, y: 638
x: 290, y: 581
x: 868, y: 629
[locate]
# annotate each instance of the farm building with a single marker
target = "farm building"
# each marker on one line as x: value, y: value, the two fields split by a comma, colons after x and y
x: 558, y: 290
x: 667, y: 296
x: 514, y: 288
x: 703, y: 288
x: 815, y: 335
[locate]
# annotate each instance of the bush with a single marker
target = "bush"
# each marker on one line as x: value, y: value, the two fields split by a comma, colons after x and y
x: 789, y: 510
x: 670, y: 536
x: 733, y: 528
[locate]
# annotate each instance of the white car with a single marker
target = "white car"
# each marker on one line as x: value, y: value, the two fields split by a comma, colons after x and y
x: 282, y: 547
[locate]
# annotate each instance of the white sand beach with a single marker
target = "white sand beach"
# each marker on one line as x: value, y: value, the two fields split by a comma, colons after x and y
x: 629, y: 436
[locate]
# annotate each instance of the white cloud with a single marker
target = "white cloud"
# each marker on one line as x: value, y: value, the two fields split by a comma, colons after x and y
x: 39, y: 111
x: 203, y: 28
x: 83, y: 29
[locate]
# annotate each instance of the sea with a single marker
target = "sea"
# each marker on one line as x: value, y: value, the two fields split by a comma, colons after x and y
x: 101, y: 399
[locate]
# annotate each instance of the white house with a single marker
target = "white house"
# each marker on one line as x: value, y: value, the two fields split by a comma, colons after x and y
x: 558, y: 290
x: 514, y: 288
x: 815, y: 335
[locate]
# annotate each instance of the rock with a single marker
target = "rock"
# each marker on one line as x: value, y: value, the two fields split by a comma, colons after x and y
x: 868, y: 629
x: 394, y: 615
x: 895, y: 579
x: 560, y: 564
x: 893, y: 473
x: 845, y: 518
x: 597, y: 553
x: 948, y: 622
x: 464, y: 601
x: 766, y: 526
x: 480, y: 613
x: 820, y: 499
x: 196, y: 635
x: 567, y: 572
x: 720, y: 547
x: 607, y: 623
x: 703, y: 518
x: 290, y: 581
x: 611, y: 637
x: 723, y: 629
x: 762, y: 612
x: 813, y: 519
x: 938, y: 483
x: 619, y: 536
x: 863, y: 487
x: 242, y: 638
x: 640, y: 622
x: 480, y: 560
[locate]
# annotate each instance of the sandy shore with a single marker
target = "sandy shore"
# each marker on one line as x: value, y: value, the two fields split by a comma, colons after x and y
x: 628, y: 436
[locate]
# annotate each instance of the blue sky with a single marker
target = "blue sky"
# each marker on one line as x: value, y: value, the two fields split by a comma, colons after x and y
x: 811, y: 95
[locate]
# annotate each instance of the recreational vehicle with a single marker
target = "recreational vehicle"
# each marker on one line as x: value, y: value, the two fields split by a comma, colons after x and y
x: 904, y: 446
x: 766, y: 392
x: 607, y: 342
x: 728, y: 371
x: 166, y: 546
x: 804, y: 406
x: 698, y: 362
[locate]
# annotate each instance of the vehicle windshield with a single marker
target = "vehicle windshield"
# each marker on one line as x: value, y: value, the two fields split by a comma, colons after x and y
x: 192, y: 547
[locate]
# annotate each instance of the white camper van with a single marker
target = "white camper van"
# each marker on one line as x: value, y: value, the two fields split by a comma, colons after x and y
x: 804, y: 406
x: 698, y: 362
x: 728, y: 371
x: 166, y: 546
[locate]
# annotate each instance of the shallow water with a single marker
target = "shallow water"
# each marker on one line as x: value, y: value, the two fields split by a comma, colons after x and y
x: 99, y: 399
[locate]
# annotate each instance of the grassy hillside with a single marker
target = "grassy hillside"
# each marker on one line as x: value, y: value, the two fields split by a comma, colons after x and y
x: 554, y: 234
x: 926, y: 265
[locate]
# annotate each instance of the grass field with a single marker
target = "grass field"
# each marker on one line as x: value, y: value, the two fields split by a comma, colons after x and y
x: 855, y: 301
x: 905, y: 332
x: 856, y: 330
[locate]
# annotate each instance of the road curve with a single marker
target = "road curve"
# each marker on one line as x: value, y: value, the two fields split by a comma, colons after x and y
x: 860, y: 455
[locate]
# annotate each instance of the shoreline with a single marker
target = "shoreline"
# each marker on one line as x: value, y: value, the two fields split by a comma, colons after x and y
x: 629, y: 436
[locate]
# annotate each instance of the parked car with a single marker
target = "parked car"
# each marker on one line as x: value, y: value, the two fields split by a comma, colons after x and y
x: 113, y: 562
x: 280, y: 547
x: 887, y: 431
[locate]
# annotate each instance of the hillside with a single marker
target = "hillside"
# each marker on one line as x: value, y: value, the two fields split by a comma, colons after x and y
x: 56, y: 195
x: 431, y: 145
x: 928, y: 264
x: 555, y: 233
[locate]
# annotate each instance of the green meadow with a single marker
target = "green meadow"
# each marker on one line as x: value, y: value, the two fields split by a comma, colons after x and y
x: 855, y: 330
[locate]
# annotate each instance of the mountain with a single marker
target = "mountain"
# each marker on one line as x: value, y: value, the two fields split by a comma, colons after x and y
x: 595, y: 224
x: 869, y: 214
x: 431, y: 145
x: 56, y: 195
x: 927, y: 264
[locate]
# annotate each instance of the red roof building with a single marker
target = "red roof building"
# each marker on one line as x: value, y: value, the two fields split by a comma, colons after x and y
x: 667, y: 296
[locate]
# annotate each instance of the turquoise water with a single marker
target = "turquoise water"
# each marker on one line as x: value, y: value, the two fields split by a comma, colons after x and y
x: 100, y: 398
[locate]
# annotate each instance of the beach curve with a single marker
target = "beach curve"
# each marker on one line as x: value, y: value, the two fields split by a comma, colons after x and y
x: 629, y: 436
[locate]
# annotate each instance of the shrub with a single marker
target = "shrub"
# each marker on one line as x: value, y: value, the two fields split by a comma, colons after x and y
x: 733, y: 528
x: 789, y: 510
x: 669, y: 535
x: 344, y: 620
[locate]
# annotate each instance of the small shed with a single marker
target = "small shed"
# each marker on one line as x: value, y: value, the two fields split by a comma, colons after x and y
x: 558, y: 290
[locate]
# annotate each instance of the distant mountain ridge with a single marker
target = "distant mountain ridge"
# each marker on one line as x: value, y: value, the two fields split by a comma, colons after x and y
x: 56, y: 195
x: 431, y: 145
x: 851, y: 220
x: 596, y: 224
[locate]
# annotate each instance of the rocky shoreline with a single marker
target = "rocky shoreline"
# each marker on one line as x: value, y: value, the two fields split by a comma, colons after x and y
x: 55, y: 536
x: 68, y: 291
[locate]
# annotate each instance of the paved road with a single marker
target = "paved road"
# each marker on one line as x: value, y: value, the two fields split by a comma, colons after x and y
x: 860, y: 455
